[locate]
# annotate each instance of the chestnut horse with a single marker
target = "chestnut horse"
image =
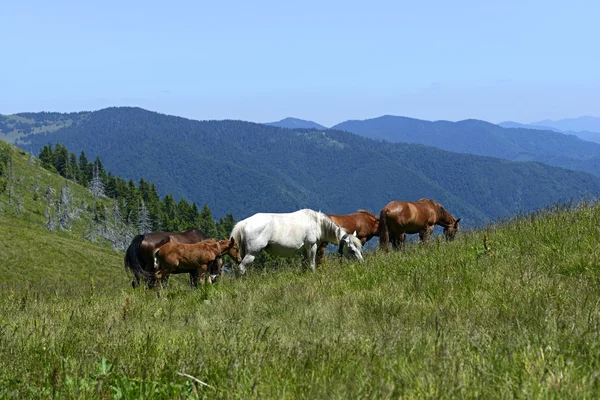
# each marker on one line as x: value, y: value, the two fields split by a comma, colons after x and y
x: 363, y: 223
x: 401, y: 217
x: 174, y: 257
x: 139, y: 257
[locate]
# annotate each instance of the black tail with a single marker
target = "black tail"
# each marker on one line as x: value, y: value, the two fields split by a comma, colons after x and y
x: 133, y: 258
x: 383, y: 232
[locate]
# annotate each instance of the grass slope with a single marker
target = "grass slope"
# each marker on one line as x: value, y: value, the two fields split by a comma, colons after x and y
x: 26, y: 172
x: 520, y: 319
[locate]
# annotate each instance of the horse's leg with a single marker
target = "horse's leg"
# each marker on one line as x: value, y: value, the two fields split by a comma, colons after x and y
x: 310, y: 255
x: 194, y: 275
x: 395, y: 240
x: 425, y: 234
x: 136, y: 280
x: 320, y: 257
x: 164, y: 282
x: 398, y: 241
x: 248, y: 259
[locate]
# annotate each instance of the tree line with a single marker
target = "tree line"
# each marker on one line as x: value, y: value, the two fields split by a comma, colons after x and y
x: 135, y: 204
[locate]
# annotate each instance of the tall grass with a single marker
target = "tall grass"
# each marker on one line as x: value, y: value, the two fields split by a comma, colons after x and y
x: 518, y: 317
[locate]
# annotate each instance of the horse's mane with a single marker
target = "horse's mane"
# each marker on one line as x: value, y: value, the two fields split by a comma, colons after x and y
x: 368, y: 213
x: 238, y: 234
x: 332, y: 228
x: 444, y: 215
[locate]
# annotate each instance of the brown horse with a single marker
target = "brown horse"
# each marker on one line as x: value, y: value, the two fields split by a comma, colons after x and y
x: 364, y: 223
x: 174, y: 257
x: 139, y: 257
x: 401, y: 217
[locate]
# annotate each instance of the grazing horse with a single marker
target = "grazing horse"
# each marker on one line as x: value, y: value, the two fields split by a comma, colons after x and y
x: 288, y: 234
x: 363, y: 223
x: 401, y: 217
x: 139, y: 257
x: 174, y: 257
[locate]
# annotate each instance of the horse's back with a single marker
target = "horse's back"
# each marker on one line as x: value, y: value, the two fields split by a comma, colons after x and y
x: 277, y: 230
x: 411, y: 217
x: 364, y: 224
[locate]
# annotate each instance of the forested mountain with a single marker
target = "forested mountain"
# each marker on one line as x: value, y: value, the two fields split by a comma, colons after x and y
x: 483, y: 138
x: 243, y: 167
x: 296, y: 123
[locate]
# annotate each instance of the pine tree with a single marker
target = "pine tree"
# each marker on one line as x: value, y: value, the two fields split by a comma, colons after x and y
x: 144, y: 225
x: 207, y: 223
x: 116, y: 230
x: 85, y: 168
x: 46, y: 157
x: 225, y: 225
x: 96, y: 184
x: 91, y: 233
x: 61, y: 160
x: 64, y: 212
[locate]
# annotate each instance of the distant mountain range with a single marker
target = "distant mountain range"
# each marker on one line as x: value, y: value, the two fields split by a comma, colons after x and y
x: 244, y: 168
x: 585, y: 123
x: 295, y: 123
x: 591, y: 136
x: 484, y: 138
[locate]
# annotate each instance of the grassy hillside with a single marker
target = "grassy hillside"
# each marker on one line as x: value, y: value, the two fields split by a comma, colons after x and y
x: 518, y: 318
x: 15, y: 127
x: 27, y: 175
x: 243, y: 168
x: 485, y: 139
x: 34, y: 256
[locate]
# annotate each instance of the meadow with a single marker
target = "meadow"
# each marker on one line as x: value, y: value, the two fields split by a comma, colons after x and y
x: 516, y: 315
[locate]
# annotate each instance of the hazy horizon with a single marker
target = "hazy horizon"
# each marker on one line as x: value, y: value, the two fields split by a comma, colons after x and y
x: 268, y: 60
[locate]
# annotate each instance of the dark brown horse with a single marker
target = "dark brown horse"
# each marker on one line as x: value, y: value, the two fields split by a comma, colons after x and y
x: 139, y: 257
x: 172, y: 258
x: 401, y: 217
x: 364, y: 223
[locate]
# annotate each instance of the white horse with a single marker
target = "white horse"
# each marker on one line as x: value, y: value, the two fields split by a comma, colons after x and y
x: 292, y: 233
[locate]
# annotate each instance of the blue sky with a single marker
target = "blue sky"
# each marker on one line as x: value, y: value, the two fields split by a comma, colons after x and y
x: 327, y: 61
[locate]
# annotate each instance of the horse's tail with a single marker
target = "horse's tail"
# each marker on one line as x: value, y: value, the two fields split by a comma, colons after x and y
x: 133, y: 258
x: 383, y: 231
x: 237, y: 233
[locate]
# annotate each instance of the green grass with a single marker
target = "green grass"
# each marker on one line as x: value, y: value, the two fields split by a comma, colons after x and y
x: 25, y: 175
x: 446, y: 320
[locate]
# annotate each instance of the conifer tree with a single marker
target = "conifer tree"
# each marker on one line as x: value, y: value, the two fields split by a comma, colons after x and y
x: 96, y: 184
x: 144, y: 225
x: 207, y: 222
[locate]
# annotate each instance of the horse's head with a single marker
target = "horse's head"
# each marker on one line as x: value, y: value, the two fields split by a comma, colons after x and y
x: 233, y: 250
x: 351, y: 247
x: 450, y: 230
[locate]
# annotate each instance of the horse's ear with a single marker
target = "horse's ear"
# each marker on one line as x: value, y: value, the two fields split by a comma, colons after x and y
x: 457, y: 221
x: 232, y: 241
x: 354, y: 234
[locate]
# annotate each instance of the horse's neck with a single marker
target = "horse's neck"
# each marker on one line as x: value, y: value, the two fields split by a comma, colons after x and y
x: 332, y: 234
x: 445, y: 219
x: 222, y: 248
